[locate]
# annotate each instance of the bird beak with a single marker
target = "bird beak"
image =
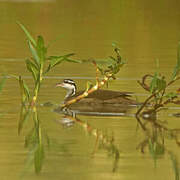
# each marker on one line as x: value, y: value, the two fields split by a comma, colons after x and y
x: 59, y: 85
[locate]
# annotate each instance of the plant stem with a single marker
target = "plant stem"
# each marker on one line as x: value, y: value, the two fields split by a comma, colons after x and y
x: 86, y: 93
x: 38, y: 83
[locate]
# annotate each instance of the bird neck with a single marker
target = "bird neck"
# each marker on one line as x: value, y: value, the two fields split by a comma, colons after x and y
x: 70, y: 92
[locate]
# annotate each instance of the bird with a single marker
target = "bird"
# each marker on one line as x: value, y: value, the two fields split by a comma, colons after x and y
x: 100, y: 100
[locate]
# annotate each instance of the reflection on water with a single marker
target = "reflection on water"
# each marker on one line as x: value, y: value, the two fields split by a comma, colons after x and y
x: 102, y: 139
x: 34, y: 139
x: 155, y: 134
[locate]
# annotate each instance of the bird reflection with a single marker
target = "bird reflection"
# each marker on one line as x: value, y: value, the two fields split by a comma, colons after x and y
x: 102, y: 140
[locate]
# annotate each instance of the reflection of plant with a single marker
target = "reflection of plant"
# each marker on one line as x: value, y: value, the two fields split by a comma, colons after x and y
x: 34, y: 140
x: 158, y: 88
x: 103, y: 140
x: 156, y: 135
x: 108, y: 73
x: 39, y: 64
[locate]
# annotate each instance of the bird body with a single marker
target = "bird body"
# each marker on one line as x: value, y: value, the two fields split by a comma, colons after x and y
x: 98, y: 98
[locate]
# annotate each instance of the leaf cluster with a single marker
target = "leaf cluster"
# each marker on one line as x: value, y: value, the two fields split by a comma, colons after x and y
x: 39, y: 64
x: 158, y: 87
x: 115, y: 64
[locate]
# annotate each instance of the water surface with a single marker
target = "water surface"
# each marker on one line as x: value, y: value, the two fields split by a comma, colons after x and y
x: 143, y: 30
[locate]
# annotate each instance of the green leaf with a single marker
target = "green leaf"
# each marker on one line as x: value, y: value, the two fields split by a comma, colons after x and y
x: 48, y: 69
x: 27, y: 34
x: 34, y: 53
x: 24, y: 90
x: 25, y: 94
x: 38, y: 158
x: 2, y: 82
x: 41, y: 49
x: 32, y: 68
x: 157, y: 84
x: 72, y: 60
x: 112, y: 58
x: 68, y: 55
x: 161, y: 84
x: 55, y: 60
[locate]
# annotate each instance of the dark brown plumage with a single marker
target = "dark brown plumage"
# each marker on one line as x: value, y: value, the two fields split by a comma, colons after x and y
x: 105, y: 97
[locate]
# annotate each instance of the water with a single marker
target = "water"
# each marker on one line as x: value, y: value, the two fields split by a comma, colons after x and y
x: 144, y: 31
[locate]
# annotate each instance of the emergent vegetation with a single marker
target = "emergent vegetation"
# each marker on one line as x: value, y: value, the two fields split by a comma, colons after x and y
x: 39, y: 64
x: 159, y: 97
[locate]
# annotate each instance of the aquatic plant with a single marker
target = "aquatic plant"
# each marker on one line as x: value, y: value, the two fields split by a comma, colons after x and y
x: 108, y: 73
x: 159, y: 96
x: 156, y: 132
x: 39, y: 65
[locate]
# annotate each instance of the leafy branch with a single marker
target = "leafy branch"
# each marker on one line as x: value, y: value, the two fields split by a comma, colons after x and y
x: 107, y: 73
x: 159, y: 97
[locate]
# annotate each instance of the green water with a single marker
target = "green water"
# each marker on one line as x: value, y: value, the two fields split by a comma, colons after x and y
x: 144, y: 31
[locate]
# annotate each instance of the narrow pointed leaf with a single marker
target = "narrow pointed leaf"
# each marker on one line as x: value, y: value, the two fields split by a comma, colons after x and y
x: 68, y: 55
x: 161, y: 84
x: 55, y: 60
x: 112, y: 58
x: 38, y: 158
x: 27, y: 34
x: 41, y: 49
x: 72, y: 60
x: 24, y: 90
x: 153, y: 83
x: 34, y: 53
x: 32, y: 68
x: 48, y: 69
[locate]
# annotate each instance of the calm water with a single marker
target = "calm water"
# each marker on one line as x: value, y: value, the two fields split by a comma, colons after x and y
x: 144, y: 31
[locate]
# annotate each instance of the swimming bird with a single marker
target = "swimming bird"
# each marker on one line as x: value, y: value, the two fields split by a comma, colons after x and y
x: 99, y: 97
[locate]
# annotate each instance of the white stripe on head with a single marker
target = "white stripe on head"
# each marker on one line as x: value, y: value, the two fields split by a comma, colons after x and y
x: 70, y: 86
x: 69, y: 81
